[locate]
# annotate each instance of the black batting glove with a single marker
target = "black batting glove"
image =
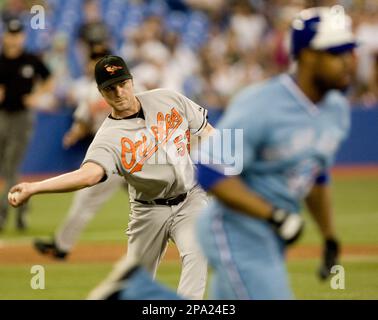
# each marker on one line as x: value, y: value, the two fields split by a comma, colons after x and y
x: 287, y: 225
x: 331, y: 252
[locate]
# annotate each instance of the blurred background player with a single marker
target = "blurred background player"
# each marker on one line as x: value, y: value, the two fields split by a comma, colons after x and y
x: 88, y: 118
x: 24, y: 79
x: 293, y: 125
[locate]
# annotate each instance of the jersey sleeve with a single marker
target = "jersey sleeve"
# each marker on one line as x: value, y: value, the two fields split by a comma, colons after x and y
x: 82, y: 113
x: 195, y: 114
x: 104, y: 156
x: 233, y: 150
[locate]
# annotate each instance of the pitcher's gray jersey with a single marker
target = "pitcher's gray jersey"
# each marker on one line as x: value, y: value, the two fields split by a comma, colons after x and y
x: 152, y: 153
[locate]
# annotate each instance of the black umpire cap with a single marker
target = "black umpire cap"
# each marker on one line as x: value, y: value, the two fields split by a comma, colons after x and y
x: 111, y: 69
x: 14, y: 25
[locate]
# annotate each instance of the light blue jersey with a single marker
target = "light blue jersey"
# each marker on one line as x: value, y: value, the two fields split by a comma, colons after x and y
x: 288, y: 141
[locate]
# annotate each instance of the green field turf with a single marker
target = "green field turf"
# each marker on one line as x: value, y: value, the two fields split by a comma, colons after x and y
x: 356, y: 206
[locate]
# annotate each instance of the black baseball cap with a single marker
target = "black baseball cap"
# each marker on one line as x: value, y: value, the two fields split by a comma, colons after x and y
x: 111, y: 69
x: 14, y: 25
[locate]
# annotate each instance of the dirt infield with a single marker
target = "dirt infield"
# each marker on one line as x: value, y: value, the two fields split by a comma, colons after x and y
x: 98, y: 253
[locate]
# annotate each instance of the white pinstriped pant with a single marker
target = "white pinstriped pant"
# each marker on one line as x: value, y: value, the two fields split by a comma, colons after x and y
x: 86, y: 203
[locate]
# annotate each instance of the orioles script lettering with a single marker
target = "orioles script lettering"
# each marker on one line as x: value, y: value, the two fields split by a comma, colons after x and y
x: 136, y: 153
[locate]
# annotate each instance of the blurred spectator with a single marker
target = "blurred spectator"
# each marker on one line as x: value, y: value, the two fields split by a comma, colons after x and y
x: 148, y: 54
x: 150, y: 72
x: 275, y: 49
x: 93, y: 32
x: 247, y: 25
x: 132, y: 47
x: 374, y: 80
x: 365, y: 94
x: 181, y: 64
x: 208, y: 5
x: 367, y: 31
x: 93, y: 29
x: 57, y: 61
x: 14, y: 9
x: 151, y: 30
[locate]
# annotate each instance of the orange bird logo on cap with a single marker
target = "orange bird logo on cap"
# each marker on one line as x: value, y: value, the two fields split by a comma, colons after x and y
x: 112, y: 69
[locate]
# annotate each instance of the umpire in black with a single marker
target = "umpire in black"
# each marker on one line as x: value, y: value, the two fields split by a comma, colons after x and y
x: 20, y: 72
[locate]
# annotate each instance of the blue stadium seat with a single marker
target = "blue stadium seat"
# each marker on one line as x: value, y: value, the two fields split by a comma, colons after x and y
x: 176, y: 21
x: 196, y: 30
x: 133, y: 16
x: 157, y: 8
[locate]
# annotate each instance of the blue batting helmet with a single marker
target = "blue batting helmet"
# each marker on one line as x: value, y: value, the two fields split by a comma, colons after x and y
x: 322, y: 28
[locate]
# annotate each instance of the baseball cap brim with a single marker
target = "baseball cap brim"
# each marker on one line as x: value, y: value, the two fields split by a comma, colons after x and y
x: 114, y: 80
x: 342, y: 48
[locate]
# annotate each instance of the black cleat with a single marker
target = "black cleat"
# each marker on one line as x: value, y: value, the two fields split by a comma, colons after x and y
x: 49, y: 248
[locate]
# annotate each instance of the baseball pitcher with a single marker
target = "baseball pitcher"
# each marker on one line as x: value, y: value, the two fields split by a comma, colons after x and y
x: 145, y: 139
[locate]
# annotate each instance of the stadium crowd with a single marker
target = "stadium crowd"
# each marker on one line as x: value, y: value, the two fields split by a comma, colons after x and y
x: 204, y: 49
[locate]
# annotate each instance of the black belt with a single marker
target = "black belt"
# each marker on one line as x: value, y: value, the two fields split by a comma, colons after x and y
x: 165, y: 202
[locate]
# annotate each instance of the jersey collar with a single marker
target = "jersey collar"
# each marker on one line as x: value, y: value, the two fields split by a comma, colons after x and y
x: 139, y: 114
x: 297, y: 93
